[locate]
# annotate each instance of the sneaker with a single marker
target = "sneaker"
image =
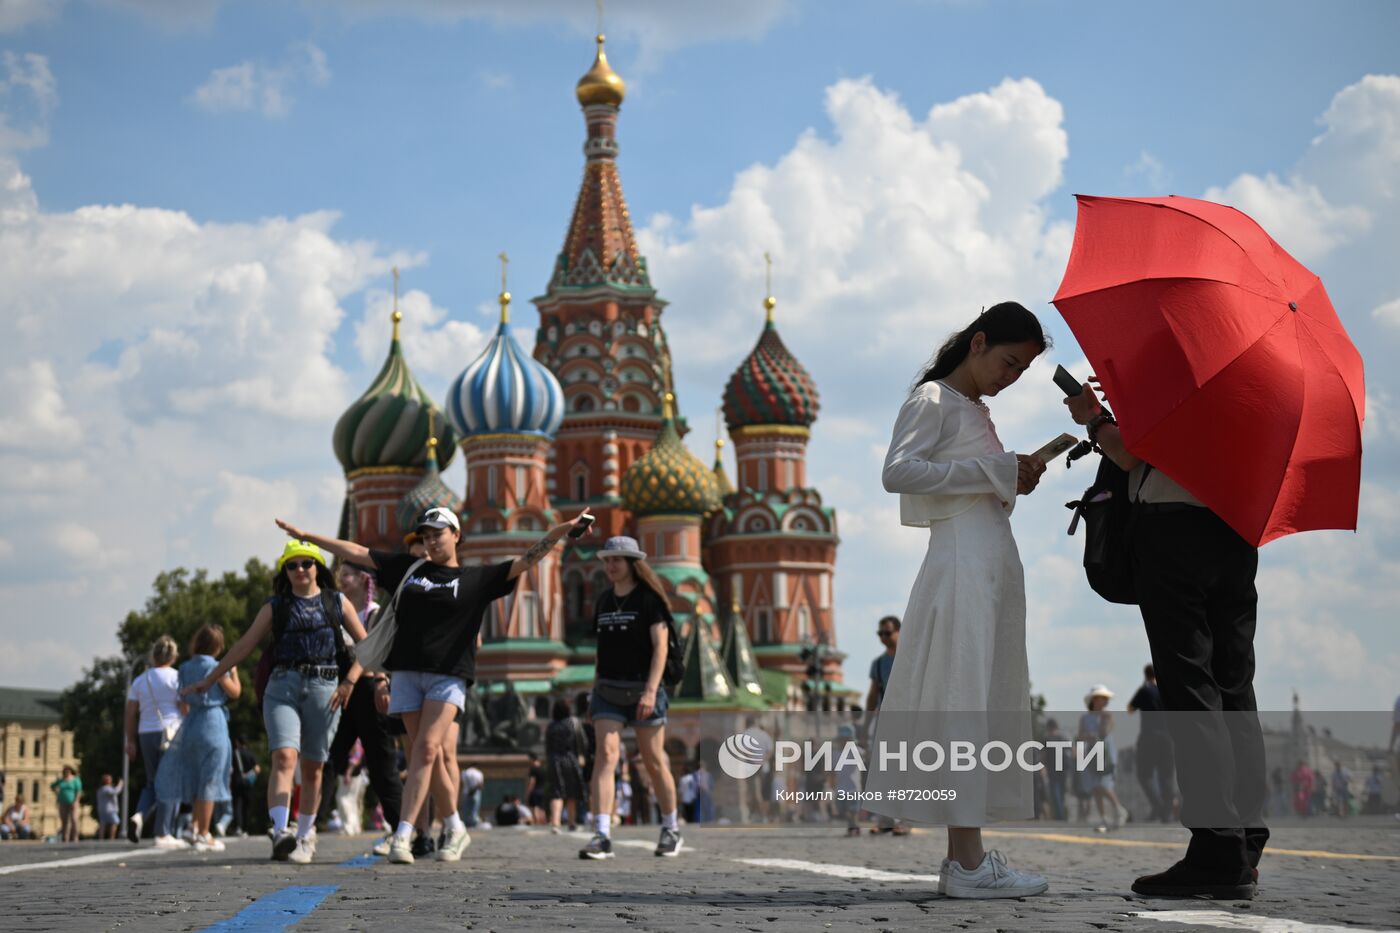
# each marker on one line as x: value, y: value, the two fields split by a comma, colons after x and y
x: 598, y: 847
x: 424, y: 846
x: 170, y: 842
x: 282, y: 845
x: 555, y: 828
x: 382, y: 846
x: 207, y: 844
x: 220, y: 830
x: 992, y: 878
x: 452, y: 846
x: 1186, y: 880
x: 305, y: 849
x: 133, y: 828
x: 670, y: 843
x: 400, y: 851
x: 943, y: 876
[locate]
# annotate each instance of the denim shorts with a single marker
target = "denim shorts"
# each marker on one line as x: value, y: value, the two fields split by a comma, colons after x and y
x: 409, y: 690
x: 297, y: 713
x: 600, y: 708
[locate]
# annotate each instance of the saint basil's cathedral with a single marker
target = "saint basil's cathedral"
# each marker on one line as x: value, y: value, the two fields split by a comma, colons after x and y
x: 589, y: 420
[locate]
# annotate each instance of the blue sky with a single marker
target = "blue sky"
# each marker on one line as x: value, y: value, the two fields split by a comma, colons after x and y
x: 171, y: 272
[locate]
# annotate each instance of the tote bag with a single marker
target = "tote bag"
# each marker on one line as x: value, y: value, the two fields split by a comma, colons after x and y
x: 374, y: 650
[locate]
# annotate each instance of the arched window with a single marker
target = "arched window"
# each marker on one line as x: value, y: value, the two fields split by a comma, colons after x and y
x: 21, y: 748
x: 583, y: 403
x: 38, y: 748
x: 580, y: 486
x: 520, y: 490
x: 762, y: 475
x: 492, y: 481
x: 804, y: 624
x: 529, y: 616
x: 763, y: 627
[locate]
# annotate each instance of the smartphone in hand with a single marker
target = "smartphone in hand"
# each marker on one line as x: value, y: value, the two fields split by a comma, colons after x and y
x: 1056, y: 447
x: 581, y: 526
x: 1067, y: 383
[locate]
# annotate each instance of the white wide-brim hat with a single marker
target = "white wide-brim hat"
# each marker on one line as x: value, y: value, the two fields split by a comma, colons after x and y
x: 1098, y: 690
x: 623, y: 546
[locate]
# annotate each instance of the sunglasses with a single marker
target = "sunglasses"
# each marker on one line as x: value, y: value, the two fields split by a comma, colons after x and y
x: 884, y: 633
x: 299, y: 564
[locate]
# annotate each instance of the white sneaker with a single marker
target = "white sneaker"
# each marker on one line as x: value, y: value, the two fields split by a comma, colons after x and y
x: 170, y: 842
x: 943, y: 876
x: 207, y: 844
x: 452, y: 846
x: 133, y: 828
x: 305, y: 850
x: 401, y: 850
x: 993, y: 878
x: 382, y: 846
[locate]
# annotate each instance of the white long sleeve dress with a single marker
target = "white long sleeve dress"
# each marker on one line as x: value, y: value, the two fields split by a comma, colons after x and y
x: 962, y: 645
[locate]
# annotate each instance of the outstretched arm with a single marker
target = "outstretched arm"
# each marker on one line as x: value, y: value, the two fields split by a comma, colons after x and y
x: 345, y: 550
x: 545, y: 545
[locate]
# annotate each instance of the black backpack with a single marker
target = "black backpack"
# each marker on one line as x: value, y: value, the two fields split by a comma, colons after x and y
x: 1107, y: 511
x: 674, y: 672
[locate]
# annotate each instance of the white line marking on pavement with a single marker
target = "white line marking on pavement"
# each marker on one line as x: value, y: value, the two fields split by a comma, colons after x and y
x: 85, y: 860
x: 1230, y: 921
x: 852, y: 872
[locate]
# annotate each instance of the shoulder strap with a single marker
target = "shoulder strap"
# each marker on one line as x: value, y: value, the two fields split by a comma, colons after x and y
x: 1146, y: 472
x: 281, y: 612
x: 330, y: 605
x: 406, y: 574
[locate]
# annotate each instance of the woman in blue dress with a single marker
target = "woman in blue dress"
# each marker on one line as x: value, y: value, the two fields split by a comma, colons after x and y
x: 196, y: 767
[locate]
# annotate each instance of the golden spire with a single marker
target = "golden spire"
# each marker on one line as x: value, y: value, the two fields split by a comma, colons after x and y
x: 719, y: 435
x: 600, y: 85
x: 769, y: 302
x: 504, y: 297
x: 432, y: 435
x: 668, y: 406
x: 397, y: 315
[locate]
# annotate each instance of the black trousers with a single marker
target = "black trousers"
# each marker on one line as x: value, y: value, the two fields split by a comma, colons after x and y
x: 1195, y: 583
x: 360, y: 720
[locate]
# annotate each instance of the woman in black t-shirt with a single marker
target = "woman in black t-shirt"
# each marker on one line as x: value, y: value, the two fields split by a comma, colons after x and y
x: 632, y: 625
x: 433, y: 658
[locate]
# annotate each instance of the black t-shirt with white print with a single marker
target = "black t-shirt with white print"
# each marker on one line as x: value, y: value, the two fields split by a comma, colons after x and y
x: 622, y: 626
x: 439, y: 612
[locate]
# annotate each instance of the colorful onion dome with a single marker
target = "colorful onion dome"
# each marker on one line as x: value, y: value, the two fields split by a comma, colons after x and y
x: 770, y: 386
x: 600, y: 85
x: 430, y: 493
x: 669, y: 478
x: 388, y: 425
x: 505, y: 391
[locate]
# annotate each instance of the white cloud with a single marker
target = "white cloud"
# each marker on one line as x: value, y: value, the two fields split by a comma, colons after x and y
x: 26, y: 87
x: 1151, y: 170
x: 1388, y: 313
x: 437, y: 349
x: 35, y: 415
x: 266, y: 89
x: 1295, y: 213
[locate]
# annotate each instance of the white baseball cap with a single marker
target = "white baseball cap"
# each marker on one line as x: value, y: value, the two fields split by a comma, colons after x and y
x: 439, y: 518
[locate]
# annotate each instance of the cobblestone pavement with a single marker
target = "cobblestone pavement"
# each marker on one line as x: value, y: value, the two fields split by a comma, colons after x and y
x: 1317, y: 876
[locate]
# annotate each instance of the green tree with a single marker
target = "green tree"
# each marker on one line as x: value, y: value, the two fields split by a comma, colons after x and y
x: 181, y: 602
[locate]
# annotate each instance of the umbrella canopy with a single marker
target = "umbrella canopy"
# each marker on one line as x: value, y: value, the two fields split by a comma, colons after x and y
x: 1222, y: 358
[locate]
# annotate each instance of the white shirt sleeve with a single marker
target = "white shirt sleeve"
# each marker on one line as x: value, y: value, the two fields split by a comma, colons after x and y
x: 910, y: 466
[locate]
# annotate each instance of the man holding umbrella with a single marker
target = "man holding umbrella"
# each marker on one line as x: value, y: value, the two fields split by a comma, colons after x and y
x: 1239, y: 400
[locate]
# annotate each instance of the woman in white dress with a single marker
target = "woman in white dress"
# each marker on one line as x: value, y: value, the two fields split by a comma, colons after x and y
x: 961, y: 668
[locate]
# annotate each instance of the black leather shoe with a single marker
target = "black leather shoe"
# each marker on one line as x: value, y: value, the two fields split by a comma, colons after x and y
x: 1186, y: 880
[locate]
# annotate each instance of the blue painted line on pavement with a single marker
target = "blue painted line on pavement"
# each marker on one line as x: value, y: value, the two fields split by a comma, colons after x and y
x: 275, y: 912
x: 363, y: 861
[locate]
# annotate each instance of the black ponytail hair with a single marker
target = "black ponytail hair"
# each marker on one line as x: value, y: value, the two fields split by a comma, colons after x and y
x: 1007, y: 322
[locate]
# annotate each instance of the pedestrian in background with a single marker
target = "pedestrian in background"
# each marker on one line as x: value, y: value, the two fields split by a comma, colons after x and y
x: 69, y: 789
x: 109, y: 814
x: 887, y: 630
x: 1154, y: 759
x: 196, y: 768
x: 1095, y: 727
x: 563, y: 747
x: 153, y: 715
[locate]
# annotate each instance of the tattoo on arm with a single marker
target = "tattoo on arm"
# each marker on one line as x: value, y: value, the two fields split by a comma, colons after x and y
x: 538, y: 550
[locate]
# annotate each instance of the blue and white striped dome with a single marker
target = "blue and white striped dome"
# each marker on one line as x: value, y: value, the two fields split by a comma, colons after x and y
x: 505, y: 391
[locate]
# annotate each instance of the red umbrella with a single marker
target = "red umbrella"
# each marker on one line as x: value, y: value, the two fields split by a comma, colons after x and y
x: 1223, y: 358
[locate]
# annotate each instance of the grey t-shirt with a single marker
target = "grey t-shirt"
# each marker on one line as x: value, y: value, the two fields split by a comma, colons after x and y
x: 1158, y: 487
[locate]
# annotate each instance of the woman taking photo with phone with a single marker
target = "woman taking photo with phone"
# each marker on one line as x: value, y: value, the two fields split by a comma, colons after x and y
x: 962, y: 644
x: 304, y: 693
x: 438, y: 614
x: 632, y: 625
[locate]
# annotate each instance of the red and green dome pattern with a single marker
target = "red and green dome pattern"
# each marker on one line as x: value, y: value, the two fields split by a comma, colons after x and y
x: 770, y: 387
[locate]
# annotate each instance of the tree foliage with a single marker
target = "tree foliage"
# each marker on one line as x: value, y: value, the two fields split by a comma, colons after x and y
x: 181, y: 602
